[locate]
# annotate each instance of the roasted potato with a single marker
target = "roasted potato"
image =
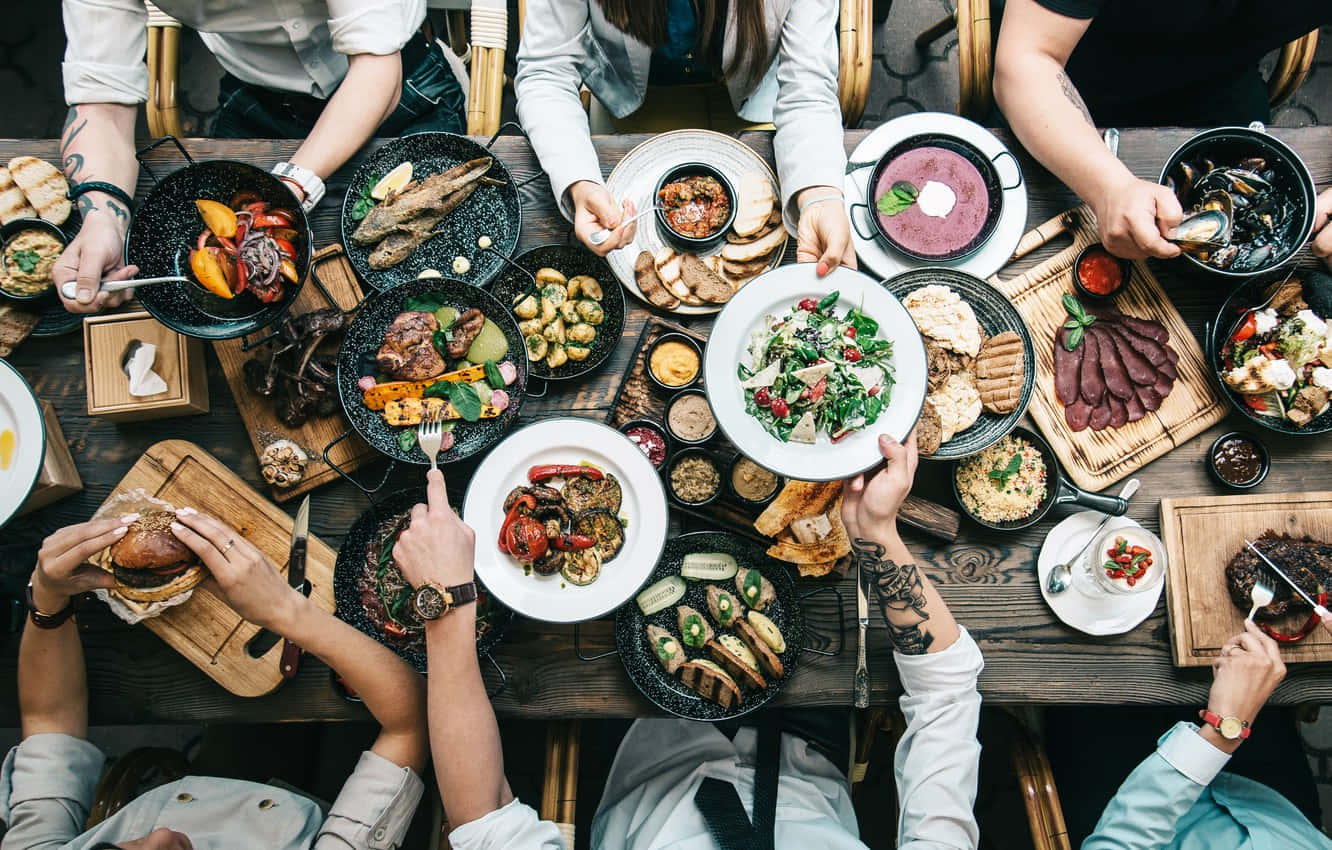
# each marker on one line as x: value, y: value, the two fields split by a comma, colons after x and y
x: 536, y: 346
x: 569, y: 312
x: 555, y: 292
x: 548, y: 311
x: 588, y: 287
x: 549, y: 275
x: 526, y: 307
x: 591, y: 312
x: 527, y: 327
x: 581, y: 332
x: 557, y: 356
x: 554, y: 331
x: 577, y: 352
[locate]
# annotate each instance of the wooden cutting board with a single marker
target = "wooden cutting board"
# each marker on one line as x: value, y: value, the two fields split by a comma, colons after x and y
x: 330, y: 266
x: 204, y: 629
x: 1097, y: 459
x: 1201, y: 535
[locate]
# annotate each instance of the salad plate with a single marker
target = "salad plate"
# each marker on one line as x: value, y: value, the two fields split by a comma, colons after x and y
x: 857, y: 352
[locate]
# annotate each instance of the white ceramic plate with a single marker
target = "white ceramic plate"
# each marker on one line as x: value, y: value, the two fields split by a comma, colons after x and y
x: 643, y: 506
x: 994, y: 254
x: 20, y: 413
x: 1104, y: 615
x: 773, y: 293
x: 635, y: 179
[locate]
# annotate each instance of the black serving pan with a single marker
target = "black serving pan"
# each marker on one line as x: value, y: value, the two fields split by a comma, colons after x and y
x: 569, y: 260
x: 493, y: 211
x: 365, y: 334
x: 347, y: 570
x: 1058, y: 491
x: 1317, y: 292
x: 166, y: 227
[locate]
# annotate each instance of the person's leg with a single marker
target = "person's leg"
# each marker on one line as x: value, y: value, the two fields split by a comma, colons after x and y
x: 432, y: 99
x: 243, y: 113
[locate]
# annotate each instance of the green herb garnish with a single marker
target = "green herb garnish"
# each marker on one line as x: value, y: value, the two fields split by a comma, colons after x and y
x: 493, y: 376
x: 27, y: 260
x: 828, y: 300
x: 406, y: 439
x: 1003, y: 474
x: 465, y: 400
x: 900, y: 197
x: 364, y: 203
x: 426, y: 302
x: 1078, y: 324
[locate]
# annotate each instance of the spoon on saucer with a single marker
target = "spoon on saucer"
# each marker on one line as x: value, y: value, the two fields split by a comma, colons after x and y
x: 70, y: 288
x: 1060, y: 577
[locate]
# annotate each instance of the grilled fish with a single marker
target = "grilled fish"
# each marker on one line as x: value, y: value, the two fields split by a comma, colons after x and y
x: 425, y: 198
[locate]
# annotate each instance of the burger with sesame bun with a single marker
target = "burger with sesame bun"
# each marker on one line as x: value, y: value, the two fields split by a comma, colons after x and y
x: 150, y: 563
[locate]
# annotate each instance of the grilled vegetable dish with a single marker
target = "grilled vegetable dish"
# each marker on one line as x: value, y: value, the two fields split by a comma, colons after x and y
x: 245, y: 246
x: 572, y: 530
x: 561, y: 319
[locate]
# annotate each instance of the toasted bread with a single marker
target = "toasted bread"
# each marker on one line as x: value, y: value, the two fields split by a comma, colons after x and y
x: 736, y: 239
x: 749, y: 269
x: 797, y: 499
x: 705, y: 283
x: 13, y: 205
x: 999, y: 372
x: 818, y: 570
x: 755, y: 203
x: 739, y: 670
x: 711, y: 685
x: 44, y: 187
x: 929, y: 430
x: 751, y: 251
x: 775, y: 217
x: 767, y: 659
x: 649, y: 283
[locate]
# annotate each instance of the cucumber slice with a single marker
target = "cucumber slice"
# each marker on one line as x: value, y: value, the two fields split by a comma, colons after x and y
x: 661, y: 595
x: 768, y: 631
x: 709, y: 566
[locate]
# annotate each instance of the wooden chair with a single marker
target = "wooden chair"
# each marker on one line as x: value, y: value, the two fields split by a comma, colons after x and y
x: 1045, y: 814
x: 975, y: 59
x: 162, y: 106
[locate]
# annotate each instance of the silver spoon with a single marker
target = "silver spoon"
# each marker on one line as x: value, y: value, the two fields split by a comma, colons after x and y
x: 1060, y: 577
x: 600, y: 236
x: 70, y: 288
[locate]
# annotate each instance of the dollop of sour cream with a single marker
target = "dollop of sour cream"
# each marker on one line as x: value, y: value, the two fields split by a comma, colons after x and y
x: 936, y: 200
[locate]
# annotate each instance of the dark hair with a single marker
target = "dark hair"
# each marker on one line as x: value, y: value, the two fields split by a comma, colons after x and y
x: 645, y: 20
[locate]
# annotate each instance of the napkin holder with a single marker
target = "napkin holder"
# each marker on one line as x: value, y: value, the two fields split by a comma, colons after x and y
x: 180, y: 362
x: 59, y: 477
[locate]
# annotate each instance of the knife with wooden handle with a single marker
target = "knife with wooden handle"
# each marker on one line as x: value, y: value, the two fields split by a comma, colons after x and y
x: 862, y: 683
x: 291, y: 653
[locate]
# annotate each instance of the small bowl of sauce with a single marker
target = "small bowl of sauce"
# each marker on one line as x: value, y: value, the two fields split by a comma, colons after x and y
x: 649, y: 437
x: 695, y: 206
x: 694, y: 477
x: 674, y: 362
x: 689, y: 418
x: 1098, y: 273
x: 751, y: 483
x: 1238, y: 460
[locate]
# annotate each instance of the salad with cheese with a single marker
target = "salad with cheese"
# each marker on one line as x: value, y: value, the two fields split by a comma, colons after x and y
x: 812, y: 371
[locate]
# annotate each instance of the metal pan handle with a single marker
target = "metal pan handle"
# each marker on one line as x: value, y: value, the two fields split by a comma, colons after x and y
x: 1016, y: 167
x: 369, y: 492
x: 1069, y: 494
x: 150, y: 146
x: 504, y: 677
x: 841, y: 620
x: 540, y: 172
x: 855, y: 226
x: 578, y: 648
x: 528, y: 392
x: 853, y: 166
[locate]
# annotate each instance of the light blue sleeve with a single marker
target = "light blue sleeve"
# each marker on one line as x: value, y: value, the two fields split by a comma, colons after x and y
x: 46, y: 789
x: 1147, y: 808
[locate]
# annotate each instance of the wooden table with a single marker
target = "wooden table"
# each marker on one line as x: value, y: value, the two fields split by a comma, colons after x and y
x: 987, y: 579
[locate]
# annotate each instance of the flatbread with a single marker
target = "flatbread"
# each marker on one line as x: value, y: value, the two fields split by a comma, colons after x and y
x: 797, y: 499
x: 753, y: 250
x: 941, y: 314
x: 929, y: 430
x: 736, y: 239
x: 830, y: 548
x: 13, y: 204
x: 755, y: 203
x: 958, y: 403
x: 44, y: 187
x: 999, y: 372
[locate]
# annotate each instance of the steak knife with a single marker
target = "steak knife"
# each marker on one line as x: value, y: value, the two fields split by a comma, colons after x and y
x: 291, y: 653
x: 862, y: 683
x: 1320, y: 610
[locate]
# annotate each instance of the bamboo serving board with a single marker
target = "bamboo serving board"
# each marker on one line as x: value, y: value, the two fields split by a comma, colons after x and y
x: 1201, y: 535
x: 1097, y: 459
x: 331, y: 266
x: 204, y: 629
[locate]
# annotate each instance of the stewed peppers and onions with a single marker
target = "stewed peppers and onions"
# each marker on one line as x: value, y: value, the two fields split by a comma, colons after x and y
x: 245, y: 246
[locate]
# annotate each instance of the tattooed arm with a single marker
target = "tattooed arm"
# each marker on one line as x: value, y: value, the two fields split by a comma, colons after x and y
x: 1049, y: 116
x: 97, y: 144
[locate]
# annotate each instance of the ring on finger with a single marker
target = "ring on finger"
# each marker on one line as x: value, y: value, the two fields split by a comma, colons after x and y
x: 227, y: 548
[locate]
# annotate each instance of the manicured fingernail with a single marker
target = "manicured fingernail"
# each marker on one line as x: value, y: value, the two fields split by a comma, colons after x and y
x: 823, y: 268
x: 175, y: 526
x: 186, y: 512
x: 121, y: 530
x: 128, y: 518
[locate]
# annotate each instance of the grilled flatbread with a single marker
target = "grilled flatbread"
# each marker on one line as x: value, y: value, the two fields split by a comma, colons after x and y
x: 775, y: 217
x: 751, y: 251
x: 711, y: 683
x: 748, y: 269
x: 797, y: 499
x: 818, y: 570
x: 958, y: 403
x: 830, y: 548
x: 999, y: 372
x: 44, y: 187
x: 13, y: 205
x: 755, y: 203
x: 767, y: 659
x: 649, y: 283
x: 733, y: 664
x: 735, y: 239
x: 929, y: 430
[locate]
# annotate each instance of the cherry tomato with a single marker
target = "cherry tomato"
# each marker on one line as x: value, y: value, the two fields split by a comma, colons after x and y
x: 780, y: 408
x: 525, y: 539
x: 1131, y: 581
x: 851, y: 354
x: 851, y: 332
x: 1256, y: 403
x: 809, y: 305
x: 817, y: 391
x: 1248, y: 329
x: 762, y: 397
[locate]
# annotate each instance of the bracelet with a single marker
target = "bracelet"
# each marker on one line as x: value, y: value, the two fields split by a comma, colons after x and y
x: 819, y: 200
x: 99, y: 186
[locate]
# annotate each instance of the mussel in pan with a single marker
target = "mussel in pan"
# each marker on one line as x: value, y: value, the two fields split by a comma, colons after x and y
x: 1237, y: 219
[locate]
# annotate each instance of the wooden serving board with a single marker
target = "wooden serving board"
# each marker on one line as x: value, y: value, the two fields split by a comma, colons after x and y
x: 1097, y: 459
x: 205, y: 629
x: 1201, y: 535
x: 640, y: 398
x: 330, y: 266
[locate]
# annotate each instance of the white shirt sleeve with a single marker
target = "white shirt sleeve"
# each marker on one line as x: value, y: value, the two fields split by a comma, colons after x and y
x: 374, y: 807
x: 373, y: 26
x: 512, y: 827
x: 46, y: 790
x: 938, y: 759
x: 106, y: 42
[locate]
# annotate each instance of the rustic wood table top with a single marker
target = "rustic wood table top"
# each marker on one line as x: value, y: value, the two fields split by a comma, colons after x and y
x: 987, y: 579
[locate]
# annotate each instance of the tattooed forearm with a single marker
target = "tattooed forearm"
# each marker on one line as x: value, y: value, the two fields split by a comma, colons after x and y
x: 86, y: 205
x: 901, y: 596
x: 72, y: 162
x: 1074, y: 97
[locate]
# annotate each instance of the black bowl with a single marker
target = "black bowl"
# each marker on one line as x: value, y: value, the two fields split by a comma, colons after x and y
x: 569, y: 260
x: 680, y: 241
x: 667, y: 418
x: 684, y: 339
x: 693, y: 451
x: 493, y: 211
x: 730, y: 484
x: 1125, y: 272
x: 1264, y: 464
x: 14, y: 228
x: 164, y: 231
x: 657, y: 427
x: 1317, y: 292
x: 363, y: 338
x: 1225, y: 145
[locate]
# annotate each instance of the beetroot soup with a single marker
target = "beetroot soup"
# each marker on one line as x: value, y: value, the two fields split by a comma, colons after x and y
x: 951, y: 204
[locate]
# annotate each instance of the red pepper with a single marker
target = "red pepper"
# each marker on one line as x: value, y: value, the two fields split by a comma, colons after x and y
x: 528, y: 501
x: 1248, y: 329
x: 271, y: 220
x: 573, y: 542
x: 545, y: 472
x: 525, y: 539
x: 227, y: 245
x: 1269, y: 350
x: 285, y: 246
x: 242, y: 276
x: 257, y: 207
x: 1256, y: 403
x: 242, y: 200
x: 817, y: 391
x: 1309, y: 625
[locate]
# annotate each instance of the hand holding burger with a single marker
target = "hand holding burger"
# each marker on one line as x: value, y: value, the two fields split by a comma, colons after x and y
x: 150, y: 563
x: 63, y: 570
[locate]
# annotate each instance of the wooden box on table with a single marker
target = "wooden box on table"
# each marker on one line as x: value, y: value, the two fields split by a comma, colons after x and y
x: 180, y: 362
x: 59, y: 477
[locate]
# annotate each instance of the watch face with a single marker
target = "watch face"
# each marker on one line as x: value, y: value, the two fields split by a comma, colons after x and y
x: 1231, y: 727
x: 428, y: 602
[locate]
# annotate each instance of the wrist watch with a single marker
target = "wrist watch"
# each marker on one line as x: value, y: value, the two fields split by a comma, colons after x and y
x: 43, y: 620
x: 1230, y: 727
x: 311, y: 184
x: 430, y: 601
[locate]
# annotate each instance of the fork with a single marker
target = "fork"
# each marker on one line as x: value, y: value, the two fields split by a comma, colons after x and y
x: 1261, y: 594
x: 430, y: 435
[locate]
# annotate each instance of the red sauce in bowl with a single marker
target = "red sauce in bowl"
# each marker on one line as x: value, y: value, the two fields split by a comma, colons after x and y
x: 650, y: 441
x: 1099, y: 271
x: 695, y: 206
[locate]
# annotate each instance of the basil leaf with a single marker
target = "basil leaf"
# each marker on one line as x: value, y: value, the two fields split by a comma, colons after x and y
x: 828, y: 300
x: 426, y: 302
x: 1074, y: 338
x: 493, y: 376
x: 465, y: 400
x: 1073, y: 307
x: 1072, y: 323
x: 900, y: 197
x: 440, y: 339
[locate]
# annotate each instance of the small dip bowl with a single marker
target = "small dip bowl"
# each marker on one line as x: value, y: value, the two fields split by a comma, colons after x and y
x: 1236, y: 454
x: 743, y: 468
x: 1096, y: 269
x: 12, y: 230
x: 651, y: 438
x: 685, y: 461
x: 681, y: 241
x: 670, y: 348
x: 695, y: 403
x: 1133, y: 536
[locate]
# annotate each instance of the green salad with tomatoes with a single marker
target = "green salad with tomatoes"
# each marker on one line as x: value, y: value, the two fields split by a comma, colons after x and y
x: 812, y: 371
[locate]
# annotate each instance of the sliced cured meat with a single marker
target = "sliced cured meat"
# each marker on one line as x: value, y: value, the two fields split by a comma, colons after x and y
x: 1066, y: 367
x: 1135, y: 409
x: 1163, y: 385
x: 1143, y: 327
x: 1078, y: 415
x: 1118, y: 412
x: 1140, y: 369
x: 1168, y: 369
x: 1100, y: 416
x: 1112, y: 368
x: 1091, y: 385
x: 1154, y: 351
x: 1150, y: 398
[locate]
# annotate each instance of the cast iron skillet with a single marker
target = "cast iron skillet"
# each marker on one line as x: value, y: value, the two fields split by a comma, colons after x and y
x: 347, y: 571
x: 492, y: 211
x: 166, y: 227
x: 365, y: 335
x: 569, y: 260
x: 995, y: 314
x: 667, y: 692
x: 1317, y: 292
x: 985, y: 165
x: 1058, y: 491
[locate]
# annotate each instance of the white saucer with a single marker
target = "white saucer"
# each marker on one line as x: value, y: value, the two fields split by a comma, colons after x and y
x: 1108, y: 615
x: 994, y: 254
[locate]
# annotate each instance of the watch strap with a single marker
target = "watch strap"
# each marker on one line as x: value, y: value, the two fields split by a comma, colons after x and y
x: 460, y: 594
x: 309, y: 182
x: 43, y: 620
x: 1215, y: 720
x: 111, y: 189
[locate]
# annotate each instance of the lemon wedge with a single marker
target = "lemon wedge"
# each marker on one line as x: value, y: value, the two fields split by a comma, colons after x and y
x: 392, y: 182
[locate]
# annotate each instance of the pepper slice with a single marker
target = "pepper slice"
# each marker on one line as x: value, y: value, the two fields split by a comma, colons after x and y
x: 527, y: 501
x: 1303, y: 632
x: 545, y: 472
x: 573, y: 542
x: 525, y: 539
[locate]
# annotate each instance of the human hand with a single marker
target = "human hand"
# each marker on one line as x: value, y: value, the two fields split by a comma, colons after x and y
x: 159, y: 839
x: 62, y: 563
x: 436, y: 546
x: 1135, y: 217
x: 97, y: 252
x: 869, y: 507
x: 595, y: 209
x: 246, y: 579
x: 823, y: 234
x: 1245, y: 673
x: 1322, y: 243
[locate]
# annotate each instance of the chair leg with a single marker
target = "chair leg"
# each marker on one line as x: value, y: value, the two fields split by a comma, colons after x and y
x: 559, y: 790
x: 936, y: 32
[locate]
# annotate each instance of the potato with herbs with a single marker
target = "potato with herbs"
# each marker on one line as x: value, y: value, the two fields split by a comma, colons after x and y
x: 560, y: 318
